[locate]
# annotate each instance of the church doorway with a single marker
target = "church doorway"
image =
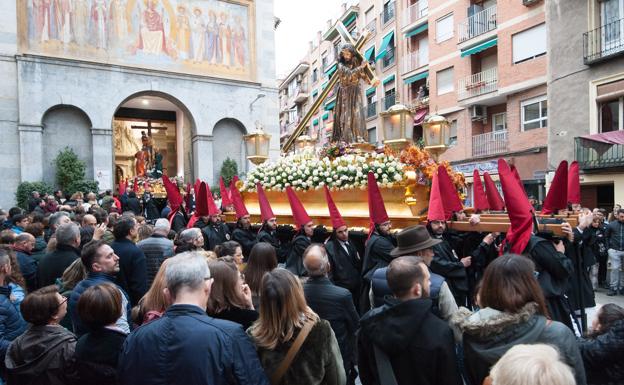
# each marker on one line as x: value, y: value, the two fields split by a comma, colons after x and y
x: 151, y: 137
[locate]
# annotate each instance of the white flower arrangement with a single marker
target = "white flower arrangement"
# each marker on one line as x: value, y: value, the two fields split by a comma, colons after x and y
x: 304, y: 172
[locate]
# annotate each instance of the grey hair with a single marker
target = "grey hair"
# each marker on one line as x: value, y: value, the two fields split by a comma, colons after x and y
x: 323, y: 267
x: 56, y: 217
x: 67, y: 233
x: 189, y: 235
x: 162, y: 224
x: 532, y: 364
x: 188, y: 270
x: 5, y: 258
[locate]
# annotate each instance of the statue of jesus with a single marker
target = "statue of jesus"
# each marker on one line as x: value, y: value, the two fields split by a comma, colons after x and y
x: 349, y: 123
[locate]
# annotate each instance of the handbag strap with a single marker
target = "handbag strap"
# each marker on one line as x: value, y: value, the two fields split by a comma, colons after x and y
x: 279, y: 373
x: 384, y: 367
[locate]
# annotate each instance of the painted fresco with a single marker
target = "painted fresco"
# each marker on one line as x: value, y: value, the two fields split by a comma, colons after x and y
x: 207, y: 37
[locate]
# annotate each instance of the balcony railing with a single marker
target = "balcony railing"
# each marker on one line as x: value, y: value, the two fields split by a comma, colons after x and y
x: 603, y: 42
x: 388, y: 13
x: 372, y: 27
x: 371, y: 110
x: 388, y: 60
x: 593, y: 155
x: 477, y: 24
x: 415, y: 11
x: 414, y: 60
x: 478, y: 84
x: 300, y: 94
x: 388, y: 101
x: 418, y: 103
x: 490, y: 143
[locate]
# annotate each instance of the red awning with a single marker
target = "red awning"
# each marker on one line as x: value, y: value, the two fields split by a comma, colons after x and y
x: 419, y: 117
x: 613, y: 137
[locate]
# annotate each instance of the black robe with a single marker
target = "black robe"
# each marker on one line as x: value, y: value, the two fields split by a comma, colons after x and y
x: 215, y: 235
x: 270, y: 238
x: 449, y: 266
x: 345, y: 266
x: 580, y: 281
x: 376, y: 256
x: 246, y: 238
x: 178, y: 224
x: 554, y: 271
x: 294, y: 261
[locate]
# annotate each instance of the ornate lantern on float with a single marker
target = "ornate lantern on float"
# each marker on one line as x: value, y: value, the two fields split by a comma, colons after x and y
x: 257, y: 146
x: 397, y: 124
x: 435, y: 131
x: 304, y: 142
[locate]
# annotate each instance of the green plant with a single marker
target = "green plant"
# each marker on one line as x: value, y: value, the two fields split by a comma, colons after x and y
x: 25, y: 189
x: 229, y: 168
x: 84, y: 185
x: 69, y: 168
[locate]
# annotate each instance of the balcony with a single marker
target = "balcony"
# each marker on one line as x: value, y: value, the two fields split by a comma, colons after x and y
x: 372, y: 27
x: 418, y: 103
x: 371, y: 110
x: 603, y: 42
x: 415, y: 12
x: 388, y: 60
x: 301, y: 94
x: 388, y: 101
x: 600, y: 152
x: 414, y: 60
x: 490, y: 143
x: 388, y: 13
x: 477, y: 24
x: 478, y: 84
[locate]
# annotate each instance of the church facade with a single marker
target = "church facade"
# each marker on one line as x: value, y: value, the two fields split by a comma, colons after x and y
x: 96, y: 75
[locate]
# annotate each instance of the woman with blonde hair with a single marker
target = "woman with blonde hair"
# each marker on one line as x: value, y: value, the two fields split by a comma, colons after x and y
x: 287, y: 323
x: 154, y: 303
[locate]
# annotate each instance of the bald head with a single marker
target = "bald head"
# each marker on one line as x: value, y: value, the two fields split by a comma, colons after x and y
x: 89, y: 220
x: 25, y: 241
x: 315, y: 260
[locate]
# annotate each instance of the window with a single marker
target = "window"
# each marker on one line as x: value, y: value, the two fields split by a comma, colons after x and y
x: 534, y: 113
x: 390, y: 97
x: 292, y: 86
x: 529, y: 44
x: 444, y: 81
x: 611, y: 115
x: 314, y: 75
x: 369, y: 15
x: 499, y: 122
x: 453, y: 133
x: 444, y: 28
x: 292, y: 116
x: 388, y: 12
x: 324, y: 60
x: 372, y: 135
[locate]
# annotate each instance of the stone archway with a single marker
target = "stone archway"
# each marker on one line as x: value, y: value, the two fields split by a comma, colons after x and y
x: 166, y: 121
x: 65, y: 126
x: 227, y: 137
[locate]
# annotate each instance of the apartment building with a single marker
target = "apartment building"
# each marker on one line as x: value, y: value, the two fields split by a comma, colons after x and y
x: 586, y: 94
x: 481, y: 64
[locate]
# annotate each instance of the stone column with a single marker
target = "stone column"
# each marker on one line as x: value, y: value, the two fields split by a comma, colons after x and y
x: 202, y: 158
x: 31, y: 152
x: 103, y: 172
x: 180, y: 142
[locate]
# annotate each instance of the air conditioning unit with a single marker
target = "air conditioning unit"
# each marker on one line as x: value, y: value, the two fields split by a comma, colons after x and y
x: 478, y: 112
x: 529, y: 2
x: 299, y: 78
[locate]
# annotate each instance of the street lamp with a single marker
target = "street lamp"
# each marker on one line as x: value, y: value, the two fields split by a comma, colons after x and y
x: 398, y: 127
x: 435, y: 130
x: 257, y: 145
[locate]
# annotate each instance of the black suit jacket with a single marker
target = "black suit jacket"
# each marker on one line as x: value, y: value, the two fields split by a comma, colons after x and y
x: 335, y: 304
x: 345, y: 266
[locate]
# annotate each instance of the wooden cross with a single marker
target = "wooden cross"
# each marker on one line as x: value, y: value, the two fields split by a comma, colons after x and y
x: 149, y: 128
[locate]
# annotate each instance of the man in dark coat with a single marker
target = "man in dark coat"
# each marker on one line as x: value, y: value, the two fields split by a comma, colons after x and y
x: 579, y: 250
x: 156, y: 248
x: 132, y: 276
x: 376, y: 256
x: 268, y: 234
x: 243, y: 235
x: 404, y: 335
x: 345, y: 261
x: 215, y: 232
x: 186, y: 346
x: 332, y: 303
x: 303, y: 238
x: 133, y: 204
x: 150, y: 211
x: 23, y: 246
x: 53, y: 265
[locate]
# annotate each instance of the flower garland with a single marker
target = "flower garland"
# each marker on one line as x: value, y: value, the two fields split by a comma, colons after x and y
x: 304, y: 171
x: 419, y: 160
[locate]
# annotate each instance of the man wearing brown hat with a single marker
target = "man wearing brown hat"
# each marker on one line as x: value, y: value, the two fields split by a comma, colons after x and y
x: 415, y: 241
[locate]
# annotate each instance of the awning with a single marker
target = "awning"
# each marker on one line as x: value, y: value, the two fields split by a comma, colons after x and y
x: 613, y: 137
x: 419, y: 117
x: 369, y: 54
x: 330, y: 106
x: 323, y: 85
x: 326, y: 116
x: 416, y: 77
x: 388, y: 80
x: 383, y: 50
x: 370, y: 91
x: 314, y: 93
x: 331, y: 70
x: 350, y: 20
x: 417, y: 30
x: 315, y: 122
x: 480, y: 47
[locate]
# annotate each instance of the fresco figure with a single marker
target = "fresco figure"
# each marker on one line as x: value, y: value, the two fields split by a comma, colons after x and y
x: 212, y: 32
x: 198, y: 33
x: 183, y: 38
x: 98, y: 23
x: 152, y: 31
